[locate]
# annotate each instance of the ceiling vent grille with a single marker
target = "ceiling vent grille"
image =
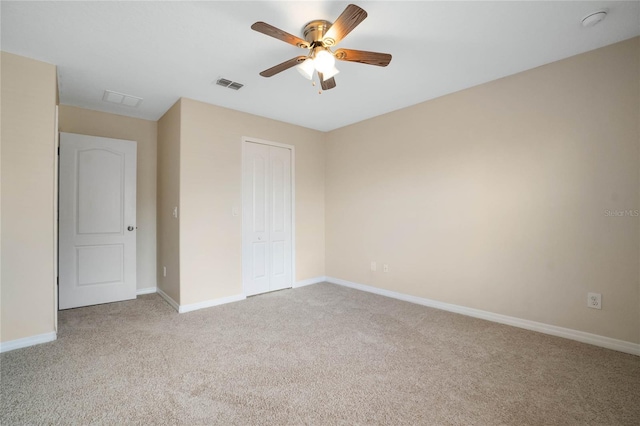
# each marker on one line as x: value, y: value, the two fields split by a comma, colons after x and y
x: 121, y: 99
x: 229, y: 84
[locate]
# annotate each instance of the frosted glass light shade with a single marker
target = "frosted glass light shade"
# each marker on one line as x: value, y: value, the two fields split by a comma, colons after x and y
x: 328, y: 74
x: 324, y: 61
x: 306, y: 68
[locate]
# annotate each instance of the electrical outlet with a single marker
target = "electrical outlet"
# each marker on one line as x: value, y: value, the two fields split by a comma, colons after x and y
x: 594, y: 300
x: 175, y: 212
x: 164, y: 271
x: 374, y: 267
x: 385, y: 268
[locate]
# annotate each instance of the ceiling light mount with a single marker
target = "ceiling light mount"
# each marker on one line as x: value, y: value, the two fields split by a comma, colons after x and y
x: 594, y: 17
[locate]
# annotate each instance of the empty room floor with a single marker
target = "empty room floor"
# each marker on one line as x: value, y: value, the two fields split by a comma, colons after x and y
x: 321, y: 354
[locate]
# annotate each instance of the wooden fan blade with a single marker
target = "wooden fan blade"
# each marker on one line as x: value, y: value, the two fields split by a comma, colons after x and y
x: 326, y: 84
x: 364, y: 57
x: 283, y: 66
x: 350, y: 18
x: 270, y: 30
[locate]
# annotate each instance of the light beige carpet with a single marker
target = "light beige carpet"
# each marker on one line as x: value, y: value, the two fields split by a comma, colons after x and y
x: 318, y: 355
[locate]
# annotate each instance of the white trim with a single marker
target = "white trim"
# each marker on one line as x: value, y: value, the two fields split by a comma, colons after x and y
x: 209, y: 303
x: 309, y: 281
x: 293, y: 214
x: 28, y: 341
x: 146, y: 290
x: 292, y: 148
x: 567, y: 333
x: 266, y: 142
x: 56, y: 175
x: 168, y: 299
x: 200, y: 305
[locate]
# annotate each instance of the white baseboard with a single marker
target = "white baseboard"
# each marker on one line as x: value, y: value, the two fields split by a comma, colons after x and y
x: 567, y: 333
x: 309, y: 281
x: 200, y: 305
x: 168, y: 299
x: 209, y: 303
x: 27, y: 341
x: 146, y: 290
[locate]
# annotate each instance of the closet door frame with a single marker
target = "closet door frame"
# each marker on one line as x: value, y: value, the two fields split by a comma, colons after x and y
x: 291, y: 148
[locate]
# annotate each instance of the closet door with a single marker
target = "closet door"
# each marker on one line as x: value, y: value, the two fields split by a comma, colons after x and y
x: 267, y: 218
x: 279, y: 218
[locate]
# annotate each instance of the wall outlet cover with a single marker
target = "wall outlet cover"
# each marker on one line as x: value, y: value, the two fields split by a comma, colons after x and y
x: 594, y: 300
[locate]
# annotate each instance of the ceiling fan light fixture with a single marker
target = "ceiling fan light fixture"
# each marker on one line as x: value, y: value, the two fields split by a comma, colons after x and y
x: 324, y: 61
x: 306, y: 68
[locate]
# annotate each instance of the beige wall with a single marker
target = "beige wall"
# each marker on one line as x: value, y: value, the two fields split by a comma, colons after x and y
x: 168, y: 178
x: 28, y: 155
x: 494, y: 197
x: 144, y: 132
x: 210, y: 186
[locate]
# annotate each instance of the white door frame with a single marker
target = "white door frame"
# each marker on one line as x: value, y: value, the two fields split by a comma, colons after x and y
x: 56, y: 187
x: 245, y: 140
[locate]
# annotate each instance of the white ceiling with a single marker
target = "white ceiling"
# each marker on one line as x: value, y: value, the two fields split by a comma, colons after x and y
x: 161, y: 51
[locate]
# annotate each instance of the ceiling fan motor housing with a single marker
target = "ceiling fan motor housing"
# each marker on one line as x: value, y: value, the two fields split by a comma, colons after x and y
x: 314, y: 32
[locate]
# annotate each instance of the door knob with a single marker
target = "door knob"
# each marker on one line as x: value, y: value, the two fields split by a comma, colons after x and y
x: 130, y: 228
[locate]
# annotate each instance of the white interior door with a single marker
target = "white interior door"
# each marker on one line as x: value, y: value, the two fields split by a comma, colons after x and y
x: 267, y: 218
x: 97, y: 220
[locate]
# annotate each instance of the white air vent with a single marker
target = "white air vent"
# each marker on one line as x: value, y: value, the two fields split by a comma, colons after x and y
x: 228, y: 84
x: 121, y: 99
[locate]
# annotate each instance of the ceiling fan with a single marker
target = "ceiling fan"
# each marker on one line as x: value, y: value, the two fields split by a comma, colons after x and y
x: 319, y: 37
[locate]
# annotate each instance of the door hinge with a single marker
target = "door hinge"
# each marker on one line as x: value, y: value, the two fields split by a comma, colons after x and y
x: 58, y: 150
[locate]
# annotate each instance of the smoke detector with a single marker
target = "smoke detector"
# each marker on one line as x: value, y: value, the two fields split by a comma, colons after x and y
x: 593, y: 18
